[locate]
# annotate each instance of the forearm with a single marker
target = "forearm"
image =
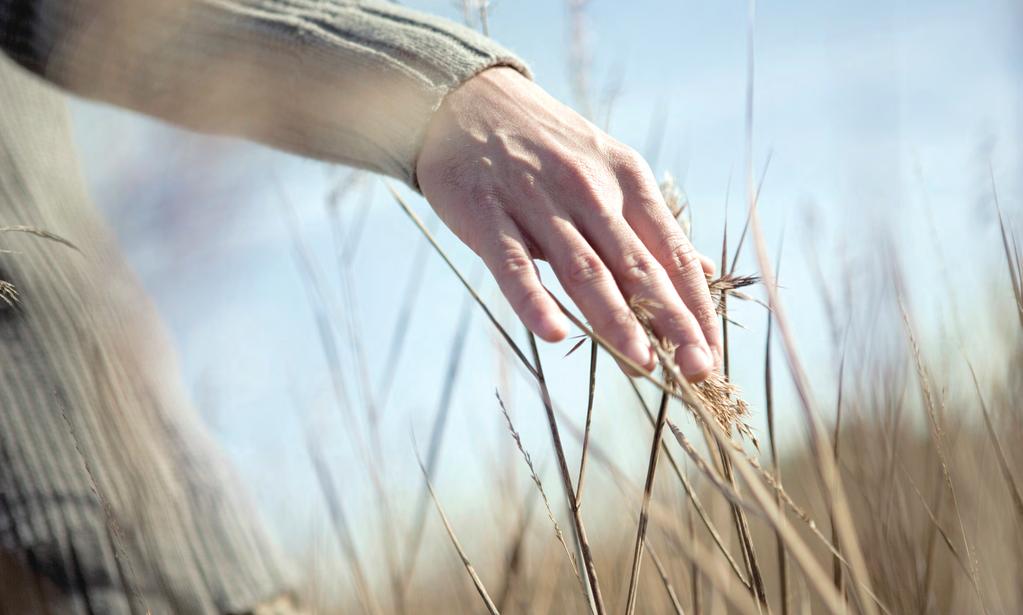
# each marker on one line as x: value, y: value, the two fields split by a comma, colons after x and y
x: 344, y: 81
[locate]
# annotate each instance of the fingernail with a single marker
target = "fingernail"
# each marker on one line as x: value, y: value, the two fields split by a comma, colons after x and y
x: 695, y: 360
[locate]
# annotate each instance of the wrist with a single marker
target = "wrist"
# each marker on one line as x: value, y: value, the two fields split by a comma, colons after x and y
x: 472, y: 107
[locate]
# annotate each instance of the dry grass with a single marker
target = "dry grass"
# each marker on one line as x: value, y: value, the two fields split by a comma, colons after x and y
x: 878, y: 510
x: 887, y: 514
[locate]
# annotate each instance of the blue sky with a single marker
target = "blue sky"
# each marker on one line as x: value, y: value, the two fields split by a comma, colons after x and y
x: 881, y: 119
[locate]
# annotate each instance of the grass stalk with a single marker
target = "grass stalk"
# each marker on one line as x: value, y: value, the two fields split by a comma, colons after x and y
x: 589, y: 421
x: 644, y: 511
x: 461, y: 278
x: 469, y: 569
x: 691, y: 493
x: 783, y: 572
x: 749, y: 555
x: 566, y: 479
x: 1003, y: 459
x: 662, y: 573
x: 543, y: 495
x: 827, y: 471
x: 937, y: 437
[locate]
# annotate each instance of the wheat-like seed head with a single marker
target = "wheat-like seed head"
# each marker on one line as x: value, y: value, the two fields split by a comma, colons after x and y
x: 716, y: 393
x: 729, y: 284
x: 722, y: 398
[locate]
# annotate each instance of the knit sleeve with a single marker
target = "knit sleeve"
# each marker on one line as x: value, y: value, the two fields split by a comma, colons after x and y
x: 345, y: 81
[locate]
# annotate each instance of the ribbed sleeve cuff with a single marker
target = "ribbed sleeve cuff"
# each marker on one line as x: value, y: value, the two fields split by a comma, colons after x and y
x: 410, y: 62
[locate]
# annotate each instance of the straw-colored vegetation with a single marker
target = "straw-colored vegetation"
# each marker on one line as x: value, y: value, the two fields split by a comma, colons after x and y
x: 903, y: 498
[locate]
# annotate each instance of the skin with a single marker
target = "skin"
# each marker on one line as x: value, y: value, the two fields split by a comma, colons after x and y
x: 519, y: 176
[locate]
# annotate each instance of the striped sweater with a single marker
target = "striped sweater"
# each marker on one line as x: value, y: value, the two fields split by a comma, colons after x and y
x: 113, y: 498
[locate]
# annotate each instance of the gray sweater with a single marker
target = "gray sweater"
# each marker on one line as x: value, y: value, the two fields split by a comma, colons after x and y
x: 345, y: 81
x: 113, y: 498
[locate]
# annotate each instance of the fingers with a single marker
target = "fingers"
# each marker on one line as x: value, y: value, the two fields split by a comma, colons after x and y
x: 649, y: 217
x: 586, y: 278
x: 503, y: 248
x: 643, y: 279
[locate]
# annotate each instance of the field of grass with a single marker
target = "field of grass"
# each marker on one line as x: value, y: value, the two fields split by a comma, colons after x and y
x: 905, y: 497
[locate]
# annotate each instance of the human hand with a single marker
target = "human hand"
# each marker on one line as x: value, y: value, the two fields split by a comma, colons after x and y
x: 519, y: 176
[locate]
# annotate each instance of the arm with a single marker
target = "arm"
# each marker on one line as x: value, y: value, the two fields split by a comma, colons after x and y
x: 344, y: 81
x: 513, y: 172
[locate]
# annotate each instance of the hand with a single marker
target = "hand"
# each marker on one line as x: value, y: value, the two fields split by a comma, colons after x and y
x: 519, y: 176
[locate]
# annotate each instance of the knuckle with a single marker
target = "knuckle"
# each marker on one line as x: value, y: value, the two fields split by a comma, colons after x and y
x: 584, y: 269
x: 681, y: 254
x: 588, y: 183
x: 525, y: 182
x: 514, y: 264
x: 634, y: 171
x: 628, y: 160
x: 638, y: 267
x: 574, y: 175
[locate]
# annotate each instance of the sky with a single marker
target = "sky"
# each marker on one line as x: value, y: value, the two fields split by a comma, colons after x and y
x: 883, y: 123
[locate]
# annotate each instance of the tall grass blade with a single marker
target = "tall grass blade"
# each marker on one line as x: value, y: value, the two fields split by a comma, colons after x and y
x: 591, y: 390
x: 543, y: 494
x: 1012, y: 257
x: 827, y: 471
x: 644, y: 511
x: 783, y: 572
x: 447, y: 260
x: 1003, y: 460
x: 662, y: 572
x: 937, y: 436
x: 691, y: 494
x: 476, y: 581
x: 566, y: 479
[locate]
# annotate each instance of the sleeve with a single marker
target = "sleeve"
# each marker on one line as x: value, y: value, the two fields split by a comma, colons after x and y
x: 347, y: 81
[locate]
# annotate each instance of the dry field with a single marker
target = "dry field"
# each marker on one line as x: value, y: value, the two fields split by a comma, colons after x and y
x: 904, y: 497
